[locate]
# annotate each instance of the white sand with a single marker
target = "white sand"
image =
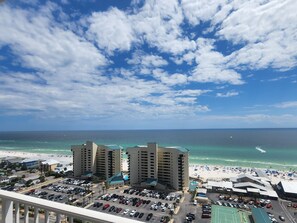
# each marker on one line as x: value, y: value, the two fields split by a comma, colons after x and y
x: 64, y: 159
x: 222, y: 172
x: 203, y: 171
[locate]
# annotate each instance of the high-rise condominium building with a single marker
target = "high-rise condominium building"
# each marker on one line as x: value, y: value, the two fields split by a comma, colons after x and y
x: 101, y: 160
x: 168, y: 165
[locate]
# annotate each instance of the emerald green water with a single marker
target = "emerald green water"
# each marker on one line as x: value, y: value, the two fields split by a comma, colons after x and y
x: 235, y: 147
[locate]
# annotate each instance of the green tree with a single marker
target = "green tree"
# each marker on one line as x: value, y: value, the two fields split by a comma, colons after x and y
x: 28, y: 183
x: 42, y: 179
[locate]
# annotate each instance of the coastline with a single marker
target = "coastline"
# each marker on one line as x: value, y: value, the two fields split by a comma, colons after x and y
x: 203, y: 171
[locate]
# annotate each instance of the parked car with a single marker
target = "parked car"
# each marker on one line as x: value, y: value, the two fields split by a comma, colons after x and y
x: 149, y: 216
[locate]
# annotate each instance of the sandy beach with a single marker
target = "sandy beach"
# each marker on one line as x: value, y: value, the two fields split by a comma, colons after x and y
x: 204, y: 172
x: 64, y: 159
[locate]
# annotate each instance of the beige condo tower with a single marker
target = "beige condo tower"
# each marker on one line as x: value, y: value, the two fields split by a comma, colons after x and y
x: 169, y: 166
x: 102, y: 160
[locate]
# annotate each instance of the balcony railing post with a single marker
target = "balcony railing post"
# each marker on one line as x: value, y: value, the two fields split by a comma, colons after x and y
x: 26, y: 214
x: 46, y: 216
x: 58, y: 218
x: 7, y: 211
x: 70, y: 219
x: 36, y: 215
x: 17, y: 212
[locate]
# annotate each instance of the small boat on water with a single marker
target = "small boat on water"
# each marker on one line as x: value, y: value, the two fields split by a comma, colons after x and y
x: 260, y: 150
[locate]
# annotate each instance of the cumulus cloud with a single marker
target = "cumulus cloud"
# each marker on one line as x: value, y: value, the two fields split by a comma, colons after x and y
x: 227, y: 94
x: 203, y: 10
x: 40, y: 43
x: 143, y: 61
x: 170, y: 79
x: 111, y: 30
x: 212, y: 65
x: 147, y: 60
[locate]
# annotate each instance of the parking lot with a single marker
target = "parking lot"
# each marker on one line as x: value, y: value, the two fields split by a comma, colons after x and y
x: 145, y: 205
x: 156, y: 206
x: 66, y: 191
x: 275, y: 210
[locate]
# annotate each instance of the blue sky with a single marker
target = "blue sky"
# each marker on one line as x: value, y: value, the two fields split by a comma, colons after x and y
x: 148, y: 64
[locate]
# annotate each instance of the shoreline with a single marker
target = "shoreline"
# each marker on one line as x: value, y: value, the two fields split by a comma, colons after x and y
x: 203, y: 171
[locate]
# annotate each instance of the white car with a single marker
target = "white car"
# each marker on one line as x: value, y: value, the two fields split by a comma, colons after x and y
x: 195, y: 202
x: 126, y: 211
x: 132, y: 213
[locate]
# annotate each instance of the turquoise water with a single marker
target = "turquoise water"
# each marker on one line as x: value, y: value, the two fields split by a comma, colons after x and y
x: 236, y: 147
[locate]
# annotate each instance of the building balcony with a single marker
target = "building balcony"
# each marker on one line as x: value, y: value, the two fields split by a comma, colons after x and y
x: 11, y: 214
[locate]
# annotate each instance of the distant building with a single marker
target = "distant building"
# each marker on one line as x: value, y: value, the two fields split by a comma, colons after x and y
x: 116, y: 181
x: 49, y: 165
x: 152, y: 165
x: 31, y: 163
x: 260, y: 215
x: 245, y: 184
x: 12, y: 160
x: 101, y: 160
x: 288, y: 189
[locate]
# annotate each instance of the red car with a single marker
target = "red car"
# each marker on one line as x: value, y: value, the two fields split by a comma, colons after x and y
x: 269, y: 205
x: 105, y: 206
x: 294, y: 205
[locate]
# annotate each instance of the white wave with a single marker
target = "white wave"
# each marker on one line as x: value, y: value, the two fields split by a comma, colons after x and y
x: 260, y: 150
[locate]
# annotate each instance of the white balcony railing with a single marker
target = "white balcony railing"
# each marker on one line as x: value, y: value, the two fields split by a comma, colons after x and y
x: 11, y: 202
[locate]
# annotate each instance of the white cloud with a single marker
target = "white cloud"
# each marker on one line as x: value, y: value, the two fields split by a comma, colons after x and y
x: 287, y: 104
x: 71, y: 77
x: 158, y: 23
x: 170, y: 79
x: 111, y: 30
x: 227, y: 94
x: 42, y: 44
x: 268, y: 32
x: 192, y: 93
x: 147, y: 60
x: 212, y: 65
x: 202, y: 10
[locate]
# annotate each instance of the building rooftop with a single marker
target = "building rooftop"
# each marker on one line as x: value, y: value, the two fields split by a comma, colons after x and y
x: 50, y: 162
x: 28, y: 160
x: 114, y: 147
x: 260, y: 215
x: 151, y: 182
x: 289, y: 186
x: 182, y: 149
x: 141, y: 146
x: 116, y: 179
x: 193, y: 185
x: 221, y: 214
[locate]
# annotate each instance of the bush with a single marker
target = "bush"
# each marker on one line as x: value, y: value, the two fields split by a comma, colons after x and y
x: 42, y: 179
x: 28, y: 183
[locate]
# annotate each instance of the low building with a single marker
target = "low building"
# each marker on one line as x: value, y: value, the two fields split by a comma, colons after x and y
x: 201, y: 195
x: 31, y: 163
x: 259, y: 215
x: 116, y: 181
x: 49, y: 165
x: 222, y: 214
x: 12, y: 160
x: 244, y: 184
x: 288, y: 189
x: 193, y: 186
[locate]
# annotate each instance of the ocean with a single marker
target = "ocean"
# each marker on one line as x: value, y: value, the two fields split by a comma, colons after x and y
x: 264, y: 148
